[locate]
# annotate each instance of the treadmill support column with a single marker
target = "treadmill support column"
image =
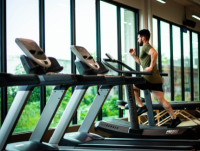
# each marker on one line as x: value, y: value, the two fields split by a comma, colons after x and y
x: 48, y: 113
x: 149, y: 106
x: 132, y: 104
x: 68, y: 114
x: 95, y: 108
x: 13, y: 115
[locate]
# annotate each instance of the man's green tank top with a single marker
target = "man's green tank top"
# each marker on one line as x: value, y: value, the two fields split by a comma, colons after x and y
x: 145, y: 60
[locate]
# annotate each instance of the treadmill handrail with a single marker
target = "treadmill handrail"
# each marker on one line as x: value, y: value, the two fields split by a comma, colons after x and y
x: 8, y: 79
x: 132, y: 71
x: 105, y: 61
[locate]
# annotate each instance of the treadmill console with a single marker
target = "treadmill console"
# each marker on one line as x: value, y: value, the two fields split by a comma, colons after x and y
x: 35, y: 61
x: 33, y: 51
x: 85, y: 57
x: 109, y: 56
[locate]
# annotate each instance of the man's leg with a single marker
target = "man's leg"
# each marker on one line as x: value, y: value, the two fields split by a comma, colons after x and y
x: 141, y: 108
x: 137, y: 98
x: 166, y: 105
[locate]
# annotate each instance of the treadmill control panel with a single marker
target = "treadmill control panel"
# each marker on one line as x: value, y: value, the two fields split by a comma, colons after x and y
x: 112, y: 127
x: 33, y: 51
x: 85, y: 57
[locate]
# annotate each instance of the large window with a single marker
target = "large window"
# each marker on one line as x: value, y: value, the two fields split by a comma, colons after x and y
x: 165, y: 56
x: 109, y: 45
x: 86, y: 37
x: 22, y: 22
x: 177, y: 63
x: 195, y: 65
x: 128, y: 41
x: 185, y: 46
x: 187, y: 77
x: 57, y: 42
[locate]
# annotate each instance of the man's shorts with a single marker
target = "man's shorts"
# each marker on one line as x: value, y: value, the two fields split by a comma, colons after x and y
x: 150, y: 86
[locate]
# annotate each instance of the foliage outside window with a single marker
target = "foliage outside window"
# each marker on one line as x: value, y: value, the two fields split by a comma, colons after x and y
x: 86, y: 37
x: 128, y: 41
x: 23, y: 23
x: 177, y: 63
x: 155, y: 35
x: 195, y: 65
x: 109, y: 45
x: 57, y: 43
x: 165, y: 57
x: 187, y: 77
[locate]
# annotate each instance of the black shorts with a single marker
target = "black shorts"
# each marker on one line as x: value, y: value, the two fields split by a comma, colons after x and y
x: 150, y: 86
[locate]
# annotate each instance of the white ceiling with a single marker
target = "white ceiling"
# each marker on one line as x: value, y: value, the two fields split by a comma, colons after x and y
x: 194, y: 5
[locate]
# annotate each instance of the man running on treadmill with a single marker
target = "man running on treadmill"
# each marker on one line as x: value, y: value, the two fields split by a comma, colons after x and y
x: 147, y: 60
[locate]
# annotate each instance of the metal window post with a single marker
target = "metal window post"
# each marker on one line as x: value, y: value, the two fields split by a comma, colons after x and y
x: 98, y: 39
x: 3, y: 54
x: 73, y: 42
x: 171, y: 62
x: 182, y: 68
x: 191, y: 68
x: 42, y: 45
x: 119, y: 51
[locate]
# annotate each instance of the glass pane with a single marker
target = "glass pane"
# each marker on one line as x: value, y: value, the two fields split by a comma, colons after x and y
x: 86, y: 37
x: 86, y: 103
x: 128, y: 41
x: 22, y: 22
x: 187, y: 78
x: 57, y: 42
x: 109, y: 45
x: 195, y: 65
x: 165, y: 56
x: 155, y: 34
x: 177, y: 63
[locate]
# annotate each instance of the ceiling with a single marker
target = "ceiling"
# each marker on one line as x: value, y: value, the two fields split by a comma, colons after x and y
x: 194, y: 5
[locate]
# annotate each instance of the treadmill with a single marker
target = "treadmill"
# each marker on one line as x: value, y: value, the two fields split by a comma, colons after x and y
x: 36, y: 62
x: 46, y: 68
x: 85, y: 140
x: 144, y: 131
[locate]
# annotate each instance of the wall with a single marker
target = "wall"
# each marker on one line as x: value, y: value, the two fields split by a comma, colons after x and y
x: 170, y: 11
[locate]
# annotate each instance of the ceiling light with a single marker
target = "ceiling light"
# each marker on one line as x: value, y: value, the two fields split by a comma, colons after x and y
x: 196, y: 17
x: 162, y: 1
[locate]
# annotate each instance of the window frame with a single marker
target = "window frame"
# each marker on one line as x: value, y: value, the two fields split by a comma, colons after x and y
x: 182, y: 56
x: 3, y: 50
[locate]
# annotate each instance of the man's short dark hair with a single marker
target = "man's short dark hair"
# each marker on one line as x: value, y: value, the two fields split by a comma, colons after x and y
x: 145, y: 33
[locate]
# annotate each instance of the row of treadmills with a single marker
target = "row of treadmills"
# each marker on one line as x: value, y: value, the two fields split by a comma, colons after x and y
x: 42, y: 71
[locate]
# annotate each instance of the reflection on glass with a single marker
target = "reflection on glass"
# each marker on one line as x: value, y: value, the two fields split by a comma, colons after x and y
x: 128, y: 41
x: 109, y: 45
x: 86, y: 37
x: 155, y: 42
x: 165, y: 56
x: 187, y: 77
x: 57, y: 42
x: 23, y: 23
x: 177, y: 62
x: 155, y: 36
x: 195, y: 66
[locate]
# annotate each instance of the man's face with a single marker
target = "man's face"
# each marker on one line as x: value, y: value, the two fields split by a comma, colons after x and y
x: 140, y: 40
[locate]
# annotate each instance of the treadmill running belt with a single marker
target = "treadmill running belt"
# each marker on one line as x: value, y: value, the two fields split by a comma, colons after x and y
x: 136, y: 144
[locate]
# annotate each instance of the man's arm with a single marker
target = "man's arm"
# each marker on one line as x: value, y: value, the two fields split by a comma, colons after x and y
x: 132, y: 53
x: 153, y: 53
